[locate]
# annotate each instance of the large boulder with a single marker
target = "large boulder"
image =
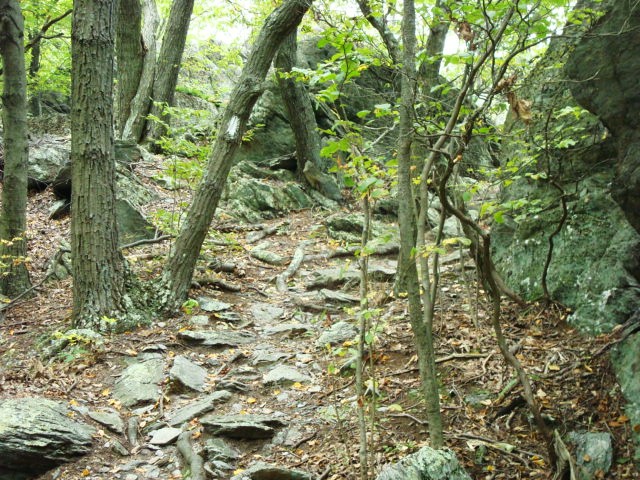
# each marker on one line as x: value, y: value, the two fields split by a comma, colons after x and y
x: 37, y: 434
x: 596, y: 252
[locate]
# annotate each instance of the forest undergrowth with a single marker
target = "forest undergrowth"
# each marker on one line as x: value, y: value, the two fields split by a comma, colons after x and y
x: 485, y: 416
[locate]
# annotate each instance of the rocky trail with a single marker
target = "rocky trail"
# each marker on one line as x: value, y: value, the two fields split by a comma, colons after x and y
x: 254, y: 379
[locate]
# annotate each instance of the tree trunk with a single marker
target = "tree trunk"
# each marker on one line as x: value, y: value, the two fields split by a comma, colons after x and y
x: 98, y: 269
x: 179, y: 269
x: 422, y: 331
x: 298, y: 105
x: 130, y: 57
x: 35, y: 106
x: 168, y: 66
x: 140, y: 104
x: 14, y: 278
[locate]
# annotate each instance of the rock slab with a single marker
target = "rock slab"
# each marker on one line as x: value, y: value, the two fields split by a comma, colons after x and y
x: 139, y: 381
x: 247, y: 427
x: 188, y: 374
x: 37, y: 434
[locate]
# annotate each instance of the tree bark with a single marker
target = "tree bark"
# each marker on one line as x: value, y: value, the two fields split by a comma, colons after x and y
x: 14, y: 278
x: 180, y: 266
x: 422, y: 331
x: 298, y: 105
x: 98, y: 266
x: 140, y: 104
x: 130, y: 57
x: 168, y: 66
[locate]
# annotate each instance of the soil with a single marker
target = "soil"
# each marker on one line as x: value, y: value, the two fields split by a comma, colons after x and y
x: 493, y: 436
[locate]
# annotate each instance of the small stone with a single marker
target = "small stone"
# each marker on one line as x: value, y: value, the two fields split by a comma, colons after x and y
x: 188, y: 374
x: 211, y: 305
x: 109, y: 419
x: 165, y: 436
x: 217, y: 338
x: 266, y: 314
x: 265, y: 357
x: 199, y: 320
x: 197, y: 408
x: 290, y: 330
x: 285, y: 375
x: 336, y: 334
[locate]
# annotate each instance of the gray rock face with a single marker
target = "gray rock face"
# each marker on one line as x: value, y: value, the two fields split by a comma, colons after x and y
x: 336, y: 334
x: 139, y: 381
x: 594, y: 454
x: 217, y: 338
x: 188, y: 374
x: 37, y: 434
x: 285, y: 375
x: 265, y: 471
x: 218, y: 449
x: 197, y: 408
x: 290, y: 330
x: 47, y: 155
x: 425, y: 464
x: 248, y: 427
x: 626, y: 362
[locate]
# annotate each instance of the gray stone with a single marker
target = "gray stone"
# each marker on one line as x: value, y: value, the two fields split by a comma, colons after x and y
x: 332, y: 277
x: 217, y: 338
x: 265, y: 313
x: 47, y: 155
x: 37, y: 434
x: 265, y: 471
x: 139, y: 382
x: 132, y: 226
x: 199, y: 320
x: 188, y: 374
x: 336, y: 334
x: 425, y: 464
x: 211, y: 305
x: 336, y: 296
x: 266, y: 357
x: 108, y: 418
x: 290, y: 437
x: 285, y: 375
x: 248, y: 427
x: 196, y: 408
x: 218, y: 449
x: 290, y: 330
x: 165, y: 436
x: 594, y: 453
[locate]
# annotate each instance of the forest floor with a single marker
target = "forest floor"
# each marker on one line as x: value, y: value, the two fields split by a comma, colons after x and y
x: 486, y: 421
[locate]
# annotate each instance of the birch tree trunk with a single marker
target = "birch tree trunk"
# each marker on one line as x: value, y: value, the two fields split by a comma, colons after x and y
x: 14, y: 278
x: 182, y: 260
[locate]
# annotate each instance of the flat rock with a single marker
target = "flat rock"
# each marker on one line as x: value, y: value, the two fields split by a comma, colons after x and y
x: 165, y: 436
x: 248, y: 427
x: 285, y: 375
x: 197, y: 408
x: 290, y: 330
x: 37, y: 434
x: 212, y: 305
x: 425, y: 464
x: 217, y: 338
x: 265, y: 471
x: 266, y: 314
x: 188, y: 374
x: 266, y: 357
x: 139, y: 381
x: 338, y: 333
x: 336, y: 296
x: 108, y: 418
x: 332, y: 277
